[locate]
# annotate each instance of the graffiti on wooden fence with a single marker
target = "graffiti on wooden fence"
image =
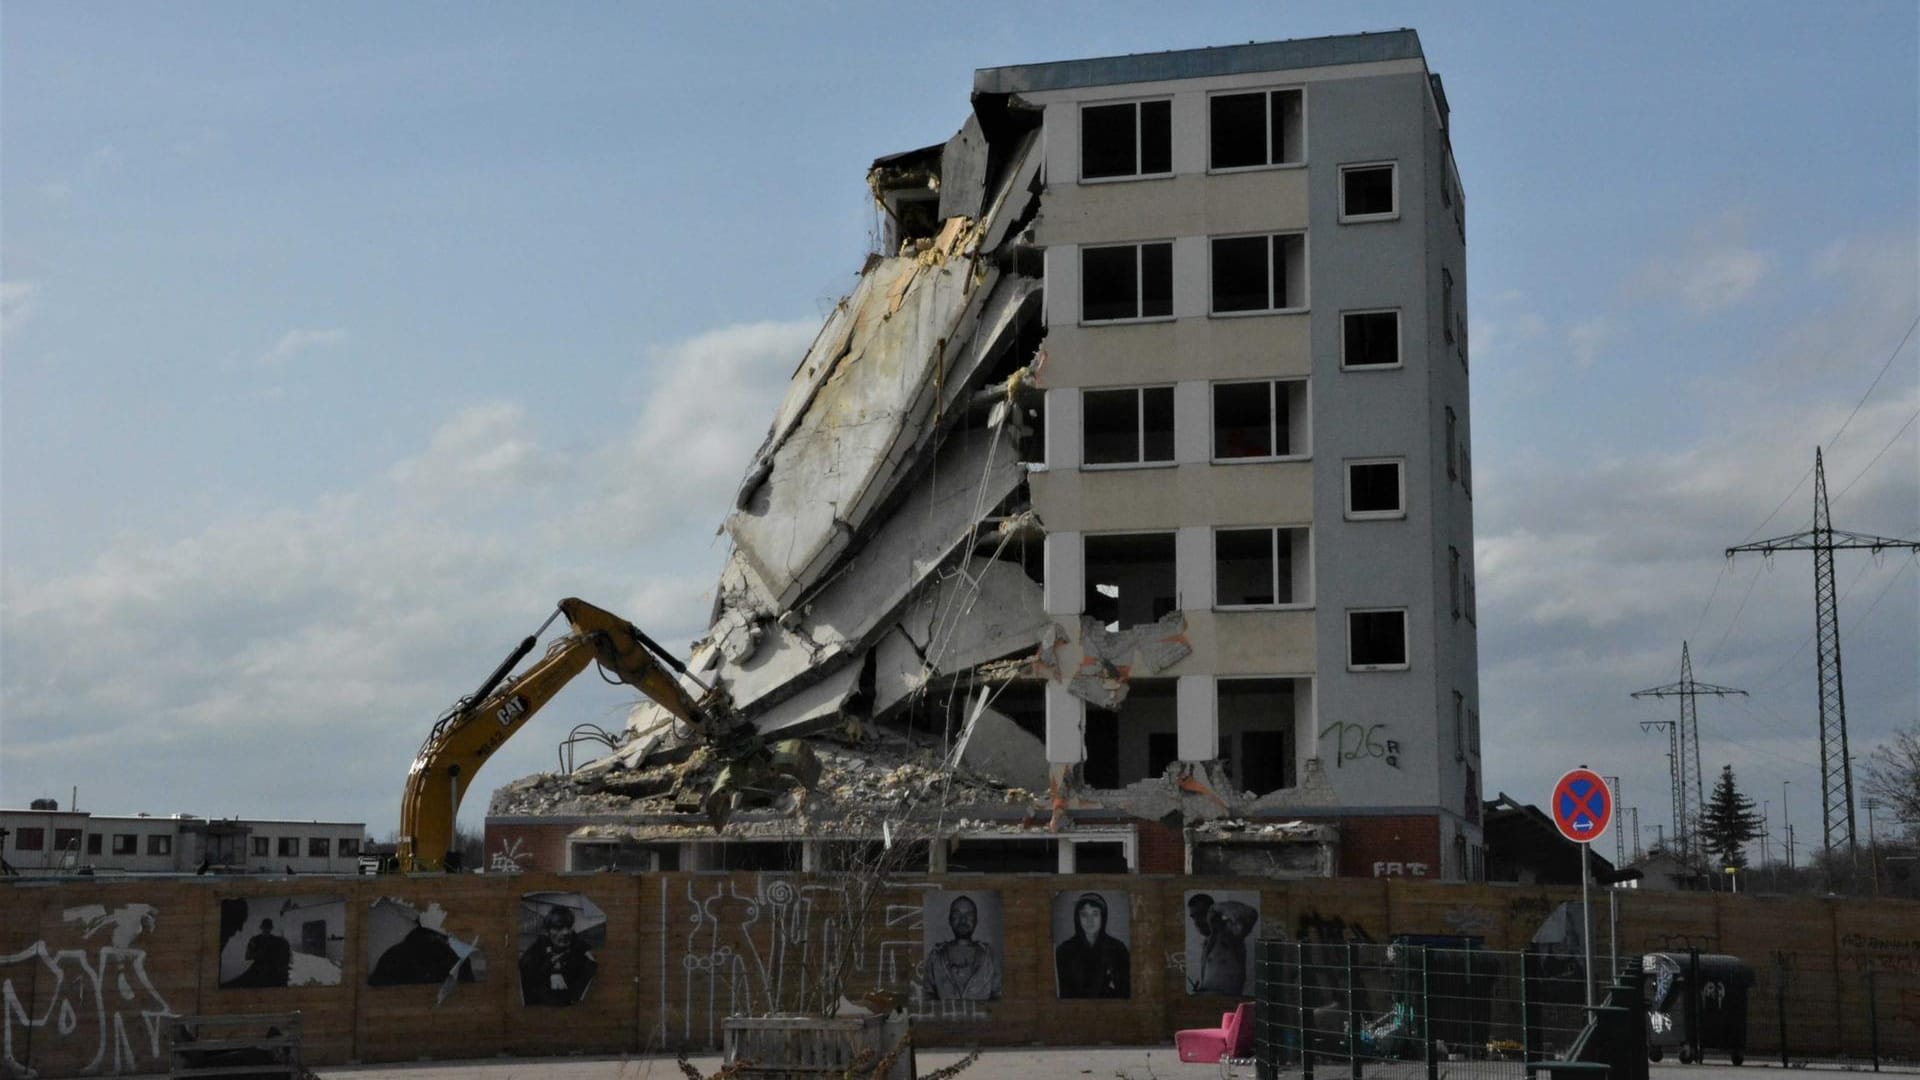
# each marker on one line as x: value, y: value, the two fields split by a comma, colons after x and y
x: 103, y: 1009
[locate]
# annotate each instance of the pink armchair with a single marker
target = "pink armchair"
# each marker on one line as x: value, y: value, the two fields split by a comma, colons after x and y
x: 1232, y: 1039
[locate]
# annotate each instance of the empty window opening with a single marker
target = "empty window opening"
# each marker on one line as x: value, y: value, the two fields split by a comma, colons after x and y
x: 855, y: 856
x: 979, y: 855
x: 1259, y: 273
x: 1253, y: 130
x: 93, y: 843
x: 1130, y: 139
x: 1370, y: 339
x: 1264, y: 419
x: 757, y: 855
x: 1368, y: 192
x: 1163, y: 749
x: 1376, y: 489
x: 1100, y: 857
x: 1119, y: 745
x: 1377, y: 640
x: 159, y: 845
x: 1256, y: 719
x: 67, y: 839
x: 1130, y: 578
x: 616, y: 855
x: 1127, y: 427
x: 126, y: 844
x: 1130, y: 281
x: 317, y: 847
x: 289, y: 847
x: 1260, y: 567
x: 34, y: 839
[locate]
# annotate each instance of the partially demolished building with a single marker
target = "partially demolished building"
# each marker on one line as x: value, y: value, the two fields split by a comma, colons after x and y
x: 1121, y: 517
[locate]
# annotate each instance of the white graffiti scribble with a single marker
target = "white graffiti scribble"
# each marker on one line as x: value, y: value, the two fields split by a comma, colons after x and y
x: 98, y: 1004
x: 510, y: 857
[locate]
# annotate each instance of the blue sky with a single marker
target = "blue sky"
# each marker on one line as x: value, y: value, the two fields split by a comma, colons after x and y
x: 341, y: 340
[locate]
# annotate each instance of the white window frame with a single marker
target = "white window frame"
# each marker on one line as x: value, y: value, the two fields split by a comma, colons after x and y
x: 1139, y: 284
x: 1393, y: 168
x: 1136, y: 174
x: 1140, y: 430
x: 1273, y: 405
x: 1306, y: 268
x: 1406, y: 644
x: 1273, y: 547
x: 1268, y: 93
x: 1069, y: 852
x: 1399, y: 339
x: 1346, y: 479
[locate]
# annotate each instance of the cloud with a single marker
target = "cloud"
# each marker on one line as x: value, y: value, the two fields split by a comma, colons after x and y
x: 1505, y: 325
x: 18, y: 300
x: 294, y: 342
x: 295, y: 658
x: 1586, y: 340
x: 1716, y: 270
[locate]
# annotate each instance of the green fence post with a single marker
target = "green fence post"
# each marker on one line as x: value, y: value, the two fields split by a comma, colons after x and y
x: 1780, y: 1000
x: 1300, y: 1001
x: 1353, y: 1020
x: 1527, y: 1041
x: 1426, y: 1012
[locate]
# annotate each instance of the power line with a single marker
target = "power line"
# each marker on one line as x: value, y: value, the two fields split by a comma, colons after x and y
x: 1877, y: 457
x: 1876, y: 382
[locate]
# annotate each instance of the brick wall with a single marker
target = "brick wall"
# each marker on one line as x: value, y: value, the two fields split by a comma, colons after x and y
x: 531, y: 847
x: 682, y: 951
x: 1389, y: 841
x: 1163, y: 848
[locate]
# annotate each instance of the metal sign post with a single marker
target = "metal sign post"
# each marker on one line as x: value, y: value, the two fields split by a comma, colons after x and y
x: 1582, y: 806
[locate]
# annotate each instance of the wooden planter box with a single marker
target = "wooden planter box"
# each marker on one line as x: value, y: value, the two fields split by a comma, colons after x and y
x: 814, y: 1048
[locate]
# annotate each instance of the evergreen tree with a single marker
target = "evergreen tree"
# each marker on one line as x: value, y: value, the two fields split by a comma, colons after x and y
x: 1729, y: 821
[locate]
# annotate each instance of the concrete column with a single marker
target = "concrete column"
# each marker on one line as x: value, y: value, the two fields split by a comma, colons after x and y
x: 1064, y: 434
x: 1193, y: 567
x: 1066, y: 716
x: 1066, y: 574
x: 1192, y: 423
x: 1195, y: 705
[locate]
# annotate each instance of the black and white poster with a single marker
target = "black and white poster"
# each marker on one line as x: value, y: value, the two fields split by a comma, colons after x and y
x: 1090, y: 955
x: 1221, y: 927
x: 271, y: 941
x: 558, y: 935
x: 410, y: 946
x: 963, y: 945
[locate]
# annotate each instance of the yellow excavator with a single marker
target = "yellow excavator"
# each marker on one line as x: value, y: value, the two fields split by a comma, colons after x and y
x: 480, y: 723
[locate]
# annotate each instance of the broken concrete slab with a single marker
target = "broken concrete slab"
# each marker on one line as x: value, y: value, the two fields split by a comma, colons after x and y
x: 1002, y: 749
x: 898, y: 671
x: 983, y: 612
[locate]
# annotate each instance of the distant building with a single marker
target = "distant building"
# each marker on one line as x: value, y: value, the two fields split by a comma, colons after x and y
x: 44, y: 839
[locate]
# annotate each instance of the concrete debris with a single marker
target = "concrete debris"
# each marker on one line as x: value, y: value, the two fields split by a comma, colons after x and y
x: 1110, y: 659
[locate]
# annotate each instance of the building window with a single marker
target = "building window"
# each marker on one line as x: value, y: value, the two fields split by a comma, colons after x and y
x: 1452, y: 444
x: 1257, y: 714
x: 1130, y: 139
x: 67, y: 839
x: 93, y: 843
x: 317, y: 847
x: 1119, y: 746
x: 1459, y: 726
x: 1127, y: 427
x: 1259, y: 420
x: 1471, y: 602
x: 126, y: 844
x: 1453, y: 579
x: 1446, y: 303
x: 1370, y: 339
x: 289, y: 847
x: 1128, y: 281
x: 261, y: 846
x: 1260, y: 567
x: 1130, y: 578
x: 34, y: 839
x: 1259, y: 273
x: 1466, y: 469
x: 159, y: 845
x: 1249, y: 131
x: 1369, y: 192
x: 349, y: 847
x: 1376, y: 489
x: 1377, y: 640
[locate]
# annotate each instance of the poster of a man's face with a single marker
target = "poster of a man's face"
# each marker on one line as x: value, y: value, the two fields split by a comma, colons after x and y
x: 1090, y: 957
x: 963, y: 945
x: 1220, y: 933
x: 409, y: 946
x: 558, y: 933
x: 271, y: 941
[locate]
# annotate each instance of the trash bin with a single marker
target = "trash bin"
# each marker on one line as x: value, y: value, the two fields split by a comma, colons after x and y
x: 1696, y: 1002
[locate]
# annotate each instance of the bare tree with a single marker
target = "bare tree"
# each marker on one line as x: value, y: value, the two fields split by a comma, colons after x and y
x: 1893, y: 777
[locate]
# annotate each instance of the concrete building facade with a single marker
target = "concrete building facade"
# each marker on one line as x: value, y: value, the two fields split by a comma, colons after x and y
x: 1290, y: 219
x: 47, y: 840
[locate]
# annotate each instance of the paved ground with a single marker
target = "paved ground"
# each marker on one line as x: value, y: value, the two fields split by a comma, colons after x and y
x: 1104, y: 1062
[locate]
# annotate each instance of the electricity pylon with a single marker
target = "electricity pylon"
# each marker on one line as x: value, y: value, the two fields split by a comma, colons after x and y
x: 1836, y: 767
x: 1688, y: 788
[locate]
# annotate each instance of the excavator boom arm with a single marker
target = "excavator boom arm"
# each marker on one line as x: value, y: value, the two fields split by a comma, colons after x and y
x: 445, y: 767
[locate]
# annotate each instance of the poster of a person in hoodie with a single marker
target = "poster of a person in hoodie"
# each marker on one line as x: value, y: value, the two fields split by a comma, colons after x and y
x: 1091, y: 958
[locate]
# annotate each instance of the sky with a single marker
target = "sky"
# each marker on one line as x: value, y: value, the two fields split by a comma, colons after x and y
x: 338, y: 342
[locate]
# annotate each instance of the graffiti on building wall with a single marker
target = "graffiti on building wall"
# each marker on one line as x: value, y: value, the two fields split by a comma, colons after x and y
x: 1361, y: 742
x: 101, y: 1008
x: 511, y: 858
x: 1870, y: 952
x: 1317, y: 929
x: 1400, y: 869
